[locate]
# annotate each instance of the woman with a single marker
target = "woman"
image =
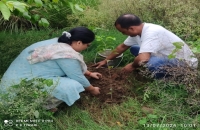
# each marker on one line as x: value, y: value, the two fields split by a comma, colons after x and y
x: 57, y: 59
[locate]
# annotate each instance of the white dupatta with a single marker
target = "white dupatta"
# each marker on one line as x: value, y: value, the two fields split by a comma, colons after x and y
x: 56, y: 51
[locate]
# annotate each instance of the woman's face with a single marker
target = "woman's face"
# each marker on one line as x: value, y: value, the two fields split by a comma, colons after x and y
x: 79, y: 46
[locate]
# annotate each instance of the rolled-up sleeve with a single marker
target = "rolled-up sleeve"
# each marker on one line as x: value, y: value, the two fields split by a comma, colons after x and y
x: 73, y: 70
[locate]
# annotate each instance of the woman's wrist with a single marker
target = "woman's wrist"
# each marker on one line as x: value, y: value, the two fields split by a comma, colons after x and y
x: 90, y: 88
x: 89, y: 73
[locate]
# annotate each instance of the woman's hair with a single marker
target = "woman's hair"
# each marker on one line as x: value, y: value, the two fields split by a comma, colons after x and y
x: 78, y: 34
x: 127, y: 20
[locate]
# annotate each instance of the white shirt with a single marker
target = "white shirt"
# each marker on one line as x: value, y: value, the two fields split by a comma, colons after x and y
x: 159, y: 42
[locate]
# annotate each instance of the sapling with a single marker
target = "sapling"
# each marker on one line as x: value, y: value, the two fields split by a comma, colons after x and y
x: 106, y: 43
x: 106, y: 46
x: 111, y: 89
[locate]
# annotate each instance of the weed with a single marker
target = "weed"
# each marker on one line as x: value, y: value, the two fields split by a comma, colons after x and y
x: 24, y: 101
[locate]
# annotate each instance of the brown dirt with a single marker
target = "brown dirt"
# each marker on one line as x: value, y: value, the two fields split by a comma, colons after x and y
x: 114, y: 85
x: 123, y: 86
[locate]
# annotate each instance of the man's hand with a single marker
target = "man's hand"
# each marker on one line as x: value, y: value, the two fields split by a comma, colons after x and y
x: 128, y: 68
x: 100, y: 64
x: 96, y: 75
x: 141, y: 58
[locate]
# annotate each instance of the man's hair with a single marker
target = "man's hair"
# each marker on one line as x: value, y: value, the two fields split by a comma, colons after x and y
x: 127, y: 20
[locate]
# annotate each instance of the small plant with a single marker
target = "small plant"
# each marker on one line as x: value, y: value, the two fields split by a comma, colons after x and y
x: 151, y: 118
x: 111, y: 89
x: 24, y: 101
x: 195, y: 45
x: 178, y: 46
x: 106, y: 47
x: 105, y: 42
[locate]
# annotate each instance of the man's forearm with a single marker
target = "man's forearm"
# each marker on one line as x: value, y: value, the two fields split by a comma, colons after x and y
x: 140, y: 59
x: 135, y: 63
x: 114, y: 54
x: 117, y: 51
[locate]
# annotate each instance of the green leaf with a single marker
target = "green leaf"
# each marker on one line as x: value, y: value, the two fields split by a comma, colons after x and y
x: 152, y: 116
x: 98, y: 38
x: 46, y: 1
x: 110, y: 67
x: 10, y: 6
x: 178, y: 45
x: 15, y: 86
x: 43, y: 22
x: 142, y: 121
x: 48, y: 82
x: 111, y: 38
x: 39, y: 3
x: 56, y: 7
x: 36, y: 114
x: 17, y: 3
x: 195, y: 50
x: 71, y: 5
x: 36, y: 17
x: 50, y: 6
x: 23, y: 81
x: 5, y: 11
x: 55, y: 1
x: 21, y: 7
x: 26, y: 15
x: 77, y: 7
x: 171, y: 56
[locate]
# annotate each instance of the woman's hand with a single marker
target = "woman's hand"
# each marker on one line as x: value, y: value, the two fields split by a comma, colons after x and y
x: 95, y: 75
x: 95, y: 91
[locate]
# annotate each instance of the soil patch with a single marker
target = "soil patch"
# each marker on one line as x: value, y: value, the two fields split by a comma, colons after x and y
x: 115, y: 86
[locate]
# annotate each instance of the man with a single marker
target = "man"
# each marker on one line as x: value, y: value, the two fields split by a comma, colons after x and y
x: 151, y: 44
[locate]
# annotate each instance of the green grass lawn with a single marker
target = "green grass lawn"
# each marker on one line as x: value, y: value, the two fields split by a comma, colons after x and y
x: 157, y: 105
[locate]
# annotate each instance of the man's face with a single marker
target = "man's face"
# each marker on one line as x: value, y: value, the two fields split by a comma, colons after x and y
x: 131, y: 31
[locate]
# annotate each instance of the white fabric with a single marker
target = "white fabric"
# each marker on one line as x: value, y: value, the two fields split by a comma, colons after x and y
x: 159, y: 42
x: 56, y: 51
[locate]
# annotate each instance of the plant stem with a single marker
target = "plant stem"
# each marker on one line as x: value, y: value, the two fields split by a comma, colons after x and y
x: 110, y: 79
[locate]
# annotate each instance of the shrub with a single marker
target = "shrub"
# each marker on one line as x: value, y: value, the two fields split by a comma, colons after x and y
x: 24, y: 15
x: 24, y: 101
x: 179, y: 16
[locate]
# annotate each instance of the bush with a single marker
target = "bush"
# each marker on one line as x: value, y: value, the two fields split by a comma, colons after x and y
x: 179, y: 16
x: 25, y: 100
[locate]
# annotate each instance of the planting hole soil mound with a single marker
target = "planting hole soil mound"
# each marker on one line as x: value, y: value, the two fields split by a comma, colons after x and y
x: 114, y: 86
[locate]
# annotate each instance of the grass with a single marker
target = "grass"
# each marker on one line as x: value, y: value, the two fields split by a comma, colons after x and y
x: 12, y: 44
x: 157, y: 105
